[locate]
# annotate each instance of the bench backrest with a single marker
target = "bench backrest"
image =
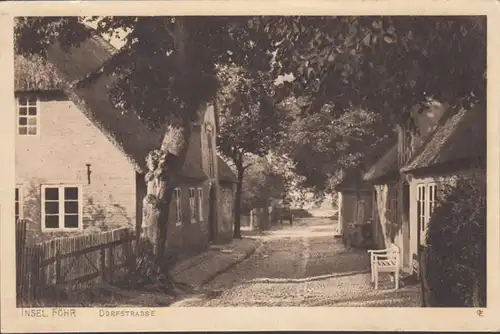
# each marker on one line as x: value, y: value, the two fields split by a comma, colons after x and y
x: 393, y: 253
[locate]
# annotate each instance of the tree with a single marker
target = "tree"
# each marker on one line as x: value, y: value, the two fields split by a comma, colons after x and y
x: 383, y: 64
x: 165, y: 72
x: 249, y: 122
x: 260, y: 184
x: 344, y: 67
x: 325, y: 142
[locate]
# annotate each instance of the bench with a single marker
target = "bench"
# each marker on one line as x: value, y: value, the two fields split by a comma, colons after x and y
x: 384, y: 261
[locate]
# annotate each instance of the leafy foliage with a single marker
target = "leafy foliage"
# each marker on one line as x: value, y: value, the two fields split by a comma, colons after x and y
x: 260, y: 184
x: 166, y: 69
x: 34, y: 35
x: 456, y: 242
x: 324, y: 142
x: 164, y: 73
x: 383, y: 64
x: 249, y: 121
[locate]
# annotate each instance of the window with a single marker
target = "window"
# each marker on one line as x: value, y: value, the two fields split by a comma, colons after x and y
x: 61, y: 208
x: 178, y: 206
x: 27, y: 115
x: 426, y: 203
x: 421, y: 206
x: 432, y: 200
x: 19, y: 204
x: 200, y: 204
x: 210, y: 152
x: 192, y: 205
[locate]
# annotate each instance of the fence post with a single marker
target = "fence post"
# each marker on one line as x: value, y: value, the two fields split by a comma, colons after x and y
x: 38, y: 273
x: 132, y: 245
x: 111, y: 261
x: 103, y: 263
x: 59, y: 277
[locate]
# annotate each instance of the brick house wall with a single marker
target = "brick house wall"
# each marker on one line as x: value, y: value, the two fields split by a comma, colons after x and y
x: 227, y: 212
x: 58, y: 154
x: 209, y: 156
x: 188, y: 235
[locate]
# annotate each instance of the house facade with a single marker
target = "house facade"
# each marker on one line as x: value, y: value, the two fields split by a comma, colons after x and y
x: 395, y: 196
x: 354, y: 201
x: 457, y: 148
x: 407, y: 181
x: 80, y: 163
x: 383, y: 178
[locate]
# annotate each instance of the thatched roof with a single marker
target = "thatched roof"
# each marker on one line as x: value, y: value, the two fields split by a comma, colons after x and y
x: 461, y: 137
x: 126, y: 131
x: 352, y: 181
x: 225, y: 172
x: 34, y: 74
x: 385, y: 167
x: 66, y: 68
x: 83, y: 60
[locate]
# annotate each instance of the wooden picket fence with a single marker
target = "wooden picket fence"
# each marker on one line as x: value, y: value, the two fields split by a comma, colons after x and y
x: 70, y: 262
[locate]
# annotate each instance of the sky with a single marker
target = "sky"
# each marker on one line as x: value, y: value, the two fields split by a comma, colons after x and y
x: 116, y: 42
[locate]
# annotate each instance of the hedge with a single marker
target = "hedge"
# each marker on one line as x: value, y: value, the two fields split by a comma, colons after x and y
x: 456, y: 245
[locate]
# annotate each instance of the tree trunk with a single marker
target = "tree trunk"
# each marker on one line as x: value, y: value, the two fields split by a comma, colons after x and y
x: 237, y: 203
x: 161, y: 181
x: 163, y: 164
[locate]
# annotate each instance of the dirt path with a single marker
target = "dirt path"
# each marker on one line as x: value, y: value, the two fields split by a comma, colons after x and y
x: 302, y: 265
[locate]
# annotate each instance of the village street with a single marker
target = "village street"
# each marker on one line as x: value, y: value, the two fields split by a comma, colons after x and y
x: 302, y: 265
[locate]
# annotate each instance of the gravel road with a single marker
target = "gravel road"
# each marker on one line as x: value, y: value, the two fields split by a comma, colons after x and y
x: 303, y: 265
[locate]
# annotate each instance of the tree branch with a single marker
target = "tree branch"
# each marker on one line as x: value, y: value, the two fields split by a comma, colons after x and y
x: 328, y: 71
x: 245, y: 167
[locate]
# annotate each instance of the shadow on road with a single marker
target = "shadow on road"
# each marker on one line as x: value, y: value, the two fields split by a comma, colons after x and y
x: 305, y: 279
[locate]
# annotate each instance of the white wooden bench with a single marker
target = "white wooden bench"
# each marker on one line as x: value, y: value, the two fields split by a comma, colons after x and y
x: 384, y: 261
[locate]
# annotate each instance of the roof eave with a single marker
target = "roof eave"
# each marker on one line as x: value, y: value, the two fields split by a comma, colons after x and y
x: 447, y: 166
x: 386, y: 178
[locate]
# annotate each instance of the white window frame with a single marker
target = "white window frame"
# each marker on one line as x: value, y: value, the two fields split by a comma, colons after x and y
x: 431, y: 200
x: 192, y: 205
x: 427, y: 205
x: 61, y: 213
x: 36, y: 117
x: 178, y: 206
x: 422, y: 205
x: 19, y: 202
x: 200, y: 203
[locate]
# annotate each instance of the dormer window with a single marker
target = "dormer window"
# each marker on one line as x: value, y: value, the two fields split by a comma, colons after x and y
x: 27, y: 115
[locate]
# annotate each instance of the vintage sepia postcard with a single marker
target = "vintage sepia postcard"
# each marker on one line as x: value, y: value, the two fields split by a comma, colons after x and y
x: 238, y: 165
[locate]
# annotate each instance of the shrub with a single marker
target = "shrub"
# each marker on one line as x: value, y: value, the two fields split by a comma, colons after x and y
x: 456, y: 239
